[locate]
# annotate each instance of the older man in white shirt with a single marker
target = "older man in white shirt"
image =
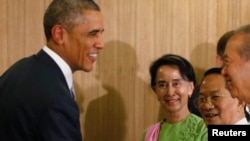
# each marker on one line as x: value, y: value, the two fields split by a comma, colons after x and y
x: 215, y: 102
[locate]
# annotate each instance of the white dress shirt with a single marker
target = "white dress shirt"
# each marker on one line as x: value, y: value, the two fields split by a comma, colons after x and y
x: 243, y: 121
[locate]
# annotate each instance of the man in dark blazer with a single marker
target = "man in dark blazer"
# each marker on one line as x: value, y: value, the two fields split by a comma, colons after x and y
x: 36, y: 93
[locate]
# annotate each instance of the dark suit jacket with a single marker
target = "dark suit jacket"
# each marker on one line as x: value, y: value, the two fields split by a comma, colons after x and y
x: 35, y: 102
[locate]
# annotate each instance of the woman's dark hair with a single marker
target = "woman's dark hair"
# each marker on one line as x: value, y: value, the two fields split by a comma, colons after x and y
x: 184, y: 66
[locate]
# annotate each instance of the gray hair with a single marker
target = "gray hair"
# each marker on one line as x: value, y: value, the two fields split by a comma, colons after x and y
x: 66, y: 13
x: 244, y: 51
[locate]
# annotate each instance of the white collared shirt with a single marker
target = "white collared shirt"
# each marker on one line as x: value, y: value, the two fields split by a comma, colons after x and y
x: 243, y: 121
x: 67, y: 72
x: 247, y: 109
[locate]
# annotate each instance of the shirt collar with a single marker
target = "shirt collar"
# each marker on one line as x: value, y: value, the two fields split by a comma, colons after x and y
x: 247, y: 109
x: 66, y: 70
x: 242, y: 121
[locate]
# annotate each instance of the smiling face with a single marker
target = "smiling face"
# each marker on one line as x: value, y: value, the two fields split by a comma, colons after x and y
x: 216, y: 110
x: 80, y: 45
x: 237, y: 70
x: 172, y: 90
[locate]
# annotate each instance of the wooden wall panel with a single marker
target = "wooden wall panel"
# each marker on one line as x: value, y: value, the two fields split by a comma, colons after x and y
x: 115, y: 99
x: 15, y: 30
x: 33, y: 26
x: 3, y: 36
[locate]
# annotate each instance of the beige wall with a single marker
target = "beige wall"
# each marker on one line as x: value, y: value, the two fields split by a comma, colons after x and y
x: 115, y: 99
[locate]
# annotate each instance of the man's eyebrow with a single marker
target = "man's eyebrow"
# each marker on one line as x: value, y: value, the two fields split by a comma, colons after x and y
x: 215, y: 91
x: 210, y: 92
x: 96, y: 30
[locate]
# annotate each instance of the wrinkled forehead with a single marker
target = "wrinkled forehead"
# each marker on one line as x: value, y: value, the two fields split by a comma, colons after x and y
x: 212, y: 83
x: 234, y: 43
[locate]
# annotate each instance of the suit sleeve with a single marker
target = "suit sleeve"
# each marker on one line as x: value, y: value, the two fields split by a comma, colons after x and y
x: 60, y: 122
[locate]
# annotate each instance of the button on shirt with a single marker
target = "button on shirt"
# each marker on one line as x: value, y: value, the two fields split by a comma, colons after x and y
x: 67, y: 72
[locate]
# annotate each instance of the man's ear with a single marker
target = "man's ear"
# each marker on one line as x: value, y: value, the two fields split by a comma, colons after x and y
x: 57, y: 34
x: 219, y: 61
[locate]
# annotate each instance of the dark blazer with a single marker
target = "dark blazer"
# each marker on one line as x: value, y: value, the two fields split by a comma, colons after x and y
x: 35, y: 102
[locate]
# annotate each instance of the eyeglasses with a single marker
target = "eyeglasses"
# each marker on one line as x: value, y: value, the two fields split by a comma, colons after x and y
x: 214, y: 99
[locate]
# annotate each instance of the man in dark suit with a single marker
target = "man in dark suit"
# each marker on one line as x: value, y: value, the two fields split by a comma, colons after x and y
x: 36, y: 93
